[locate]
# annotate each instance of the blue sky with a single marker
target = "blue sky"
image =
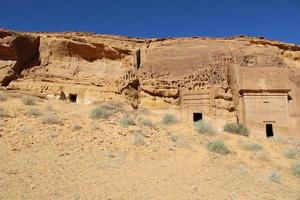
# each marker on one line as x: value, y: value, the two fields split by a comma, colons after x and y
x: 274, y: 19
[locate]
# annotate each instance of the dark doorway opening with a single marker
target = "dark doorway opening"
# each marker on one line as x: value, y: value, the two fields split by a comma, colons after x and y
x: 269, y: 130
x: 73, y: 98
x: 197, y: 117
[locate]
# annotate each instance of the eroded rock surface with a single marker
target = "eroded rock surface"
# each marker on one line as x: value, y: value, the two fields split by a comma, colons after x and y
x: 225, y: 78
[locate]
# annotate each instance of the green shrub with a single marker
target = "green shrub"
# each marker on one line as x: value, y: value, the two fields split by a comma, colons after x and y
x: 169, y: 119
x: 262, y: 155
x: 76, y: 127
x: 143, y: 110
x: 50, y: 119
x: 296, y: 169
x: 251, y: 146
x: 99, y: 113
x: 274, y: 176
x: 217, y: 147
x: 236, y: 128
x: 27, y: 100
x: 139, y: 139
x: 126, y: 121
x: 3, y: 113
x: 147, y: 122
x: 34, y: 112
x: 112, y: 106
x: 2, y: 97
x: 290, y: 153
x: 204, y: 127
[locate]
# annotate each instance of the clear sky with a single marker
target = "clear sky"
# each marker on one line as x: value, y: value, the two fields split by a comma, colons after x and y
x: 274, y: 19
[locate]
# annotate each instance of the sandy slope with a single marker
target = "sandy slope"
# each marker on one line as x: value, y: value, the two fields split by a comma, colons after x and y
x: 102, y: 161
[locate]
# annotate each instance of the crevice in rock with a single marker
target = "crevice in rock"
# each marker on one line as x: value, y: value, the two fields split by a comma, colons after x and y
x: 138, y: 59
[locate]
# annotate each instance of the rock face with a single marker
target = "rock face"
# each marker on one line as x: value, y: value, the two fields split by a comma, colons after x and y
x: 240, y: 79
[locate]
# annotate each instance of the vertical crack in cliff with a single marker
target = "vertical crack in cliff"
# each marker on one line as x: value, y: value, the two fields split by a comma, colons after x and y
x: 138, y: 59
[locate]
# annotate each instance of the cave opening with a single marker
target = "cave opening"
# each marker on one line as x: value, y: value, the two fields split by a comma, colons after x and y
x: 73, y: 98
x: 197, y: 117
x: 269, y: 130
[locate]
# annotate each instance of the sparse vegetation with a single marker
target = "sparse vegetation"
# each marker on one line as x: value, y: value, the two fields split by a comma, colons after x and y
x: 251, y: 146
x: 147, y: 122
x: 112, y: 106
x: 143, y: 110
x: 139, y: 139
x: 3, y: 113
x: 262, y: 156
x: 274, y: 176
x: 179, y: 141
x: 204, y: 127
x: 217, y: 146
x: 50, y: 119
x: 76, y: 127
x: 2, y: 97
x: 99, y: 113
x: 49, y: 107
x: 126, y: 121
x: 34, y: 112
x: 28, y: 100
x: 296, y: 169
x: 236, y: 129
x: 24, y: 130
x: 290, y: 153
x: 169, y: 119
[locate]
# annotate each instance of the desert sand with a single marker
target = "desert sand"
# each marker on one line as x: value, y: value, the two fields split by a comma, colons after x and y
x: 78, y: 157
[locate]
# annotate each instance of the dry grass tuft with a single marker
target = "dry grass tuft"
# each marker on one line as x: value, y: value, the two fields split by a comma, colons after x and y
x: 34, y: 112
x: 169, y: 119
x: 204, y: 128
x: 236, y: 128
x: 28, y: 100
x: 50, y: 119
x: 217, y: 146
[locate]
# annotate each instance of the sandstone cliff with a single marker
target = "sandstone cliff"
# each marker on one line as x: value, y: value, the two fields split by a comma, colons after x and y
x: 223, y: 73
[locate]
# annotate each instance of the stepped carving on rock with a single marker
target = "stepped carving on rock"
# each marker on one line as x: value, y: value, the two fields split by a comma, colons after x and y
x: 249, y: 80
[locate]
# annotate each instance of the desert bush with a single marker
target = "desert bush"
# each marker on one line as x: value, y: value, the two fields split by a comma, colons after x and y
x: 169, y: 119
x: 76, y: 127
x: 99, y: 113
x: 112, y: 106
x: 236, y: 128
x: 296, y: 169
x: 217, y: 146
x: 24, y: 130
x: 27, y: 100
x: 2, y: 97
x: 147, y: 122
x: 50, y: 119
x: 138, y: 139
x: 274, y: 176
x: 290, y: 153
x: 179, y: 141
x: 204, y: 127
x: 262, y: 155
x: 143, y: 110
x: 49, y: 107
x: 34, y: 112
x: 126, y: 121
x: 251, y: 146
x: 3, y: 113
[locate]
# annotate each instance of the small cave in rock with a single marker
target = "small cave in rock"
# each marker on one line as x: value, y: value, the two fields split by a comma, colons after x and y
x: 197, y: 117
x: 73, y: 98
x: 269, y: 130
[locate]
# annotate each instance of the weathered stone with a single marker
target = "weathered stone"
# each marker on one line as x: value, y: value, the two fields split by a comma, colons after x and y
x: 250, y: 80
